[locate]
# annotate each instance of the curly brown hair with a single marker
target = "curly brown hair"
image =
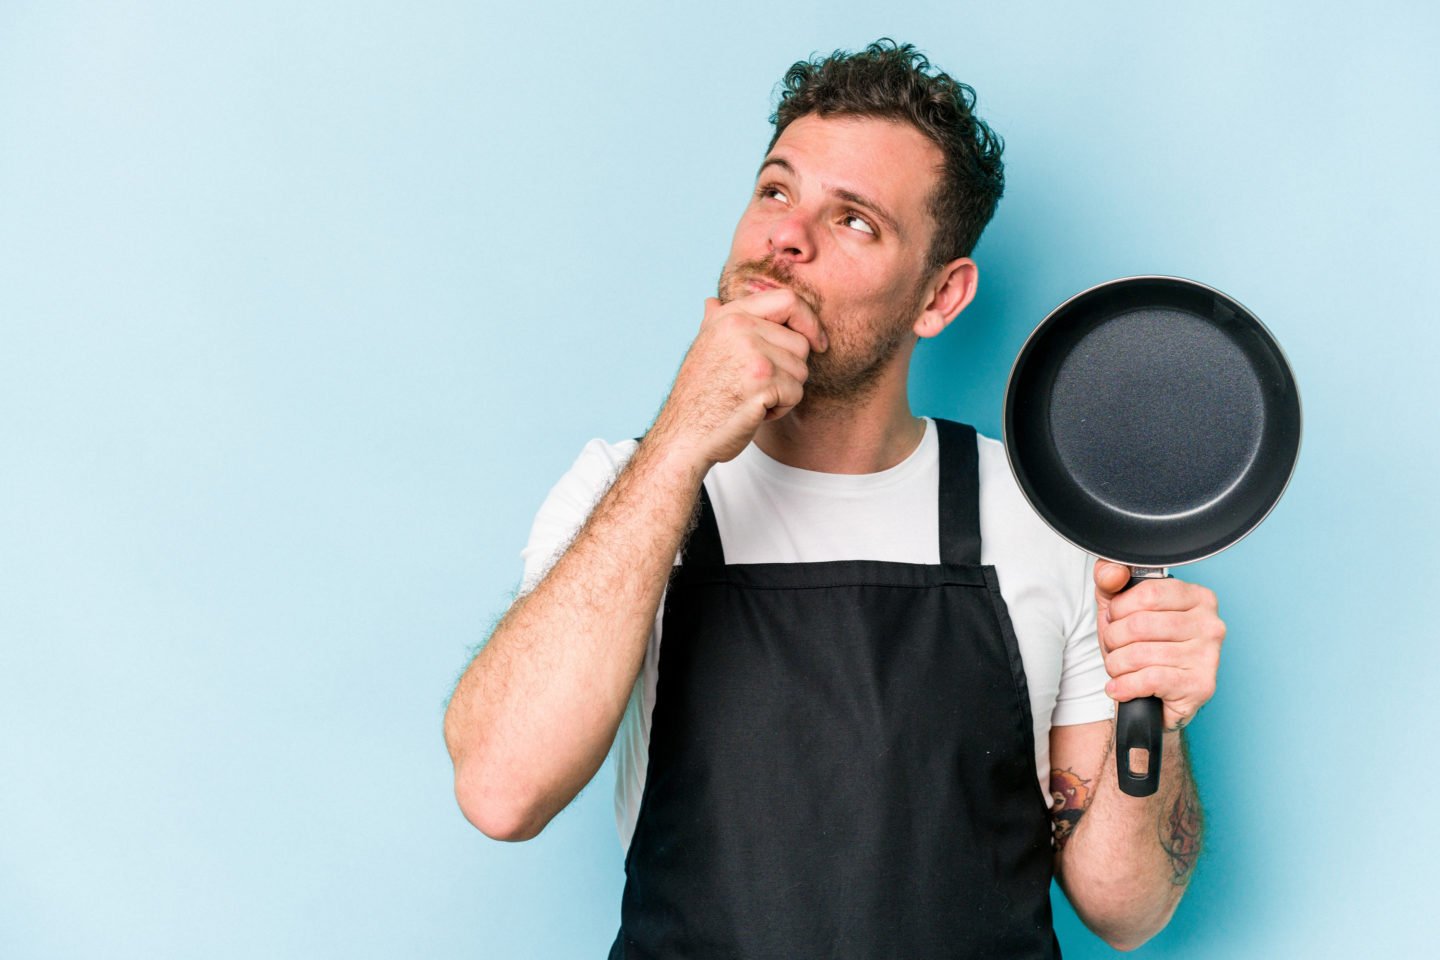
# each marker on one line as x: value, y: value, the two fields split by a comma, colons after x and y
x: 895, y: 81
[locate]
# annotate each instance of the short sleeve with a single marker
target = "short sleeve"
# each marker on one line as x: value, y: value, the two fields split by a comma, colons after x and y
x: 568, y: 506
x: 1082, y: 697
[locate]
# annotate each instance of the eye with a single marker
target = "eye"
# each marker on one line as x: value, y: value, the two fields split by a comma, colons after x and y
x: 769, y: 190
x: 864, y: 227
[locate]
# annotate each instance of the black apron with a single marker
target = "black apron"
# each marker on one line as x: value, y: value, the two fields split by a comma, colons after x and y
x: 842, y: 762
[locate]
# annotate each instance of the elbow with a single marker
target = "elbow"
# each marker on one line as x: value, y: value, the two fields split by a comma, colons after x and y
x: 1122, y: 935
x: 1123, y: 923
x: 1129, y: 933
x: 486, y: 797
x: 1125, y: 945
x: 499, y: 813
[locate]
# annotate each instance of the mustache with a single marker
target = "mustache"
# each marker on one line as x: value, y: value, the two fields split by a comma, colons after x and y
x: 779, y: 273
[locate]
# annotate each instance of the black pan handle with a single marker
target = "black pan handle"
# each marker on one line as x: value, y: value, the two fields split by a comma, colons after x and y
x: 1138, y: 725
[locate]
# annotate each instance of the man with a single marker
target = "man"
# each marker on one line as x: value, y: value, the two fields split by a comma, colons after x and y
x: 872, y: 649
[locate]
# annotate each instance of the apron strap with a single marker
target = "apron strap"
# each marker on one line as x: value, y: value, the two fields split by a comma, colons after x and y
x: 703, y: 548
x: 959, y: 494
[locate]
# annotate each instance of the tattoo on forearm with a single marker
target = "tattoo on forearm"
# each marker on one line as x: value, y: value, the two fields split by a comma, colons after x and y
x: 1180, y: 831
x: 1070, y: 798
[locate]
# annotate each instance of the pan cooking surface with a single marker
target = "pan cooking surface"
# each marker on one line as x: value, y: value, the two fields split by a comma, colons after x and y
x: 1152, y: 420
x: 1156, y: 413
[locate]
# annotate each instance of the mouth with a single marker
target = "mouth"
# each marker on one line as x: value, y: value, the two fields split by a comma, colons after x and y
x: 755, y: 285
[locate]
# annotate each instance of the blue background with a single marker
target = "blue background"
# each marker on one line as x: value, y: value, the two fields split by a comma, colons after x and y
x: 306, y: 305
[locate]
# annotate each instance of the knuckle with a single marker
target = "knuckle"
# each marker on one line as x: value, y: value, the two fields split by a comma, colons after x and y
x: 1118, y: 634
x: 733, y: 323
x: 1129, y: 626
x: 760, y: 368
x: 1212, y: 659
x: 1119, y: 663
x: 1147, y: 656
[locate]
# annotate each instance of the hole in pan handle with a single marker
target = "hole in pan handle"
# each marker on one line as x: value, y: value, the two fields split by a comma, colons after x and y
x: 1138, y: 725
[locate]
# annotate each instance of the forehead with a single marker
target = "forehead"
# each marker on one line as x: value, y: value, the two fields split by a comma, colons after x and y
x: 886, y: 160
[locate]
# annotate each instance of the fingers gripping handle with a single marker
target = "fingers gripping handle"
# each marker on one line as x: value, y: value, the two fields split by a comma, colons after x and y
x: 1138, y: 726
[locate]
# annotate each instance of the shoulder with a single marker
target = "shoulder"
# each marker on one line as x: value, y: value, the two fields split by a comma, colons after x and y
x: 1013, y: 533
x: 594, y: 469
x: 992, y: 451
x: 598, y: 463
x: 570, y: 502
x: 998, y: 489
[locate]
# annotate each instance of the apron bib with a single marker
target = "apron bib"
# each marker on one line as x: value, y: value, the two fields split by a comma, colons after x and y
x: 842, y: 761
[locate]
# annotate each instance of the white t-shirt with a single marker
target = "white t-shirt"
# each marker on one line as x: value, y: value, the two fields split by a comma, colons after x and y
x: 772, y: 513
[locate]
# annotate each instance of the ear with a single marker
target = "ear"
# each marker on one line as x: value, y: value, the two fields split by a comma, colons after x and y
x: 954, y: 287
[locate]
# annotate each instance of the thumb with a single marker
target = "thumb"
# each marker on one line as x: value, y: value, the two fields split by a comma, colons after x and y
x: 711, y: 305
x: 1110, y: 579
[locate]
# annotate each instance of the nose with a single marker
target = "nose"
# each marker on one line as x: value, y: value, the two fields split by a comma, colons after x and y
x: 790, y: 237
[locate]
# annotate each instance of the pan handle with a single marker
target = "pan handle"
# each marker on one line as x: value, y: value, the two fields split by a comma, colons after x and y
x: 1138, y: 723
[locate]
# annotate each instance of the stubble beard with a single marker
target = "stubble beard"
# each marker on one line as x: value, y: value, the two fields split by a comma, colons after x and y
x: 848, y: 371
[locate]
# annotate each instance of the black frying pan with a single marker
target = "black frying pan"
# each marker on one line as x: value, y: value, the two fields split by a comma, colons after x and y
x: 1152, y: 421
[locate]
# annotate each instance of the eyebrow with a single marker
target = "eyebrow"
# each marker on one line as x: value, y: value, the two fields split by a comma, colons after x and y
x: 849, y: 196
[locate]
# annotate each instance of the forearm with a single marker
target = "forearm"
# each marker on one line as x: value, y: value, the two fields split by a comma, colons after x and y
x: 534, y: 715
x: 1128, y: 860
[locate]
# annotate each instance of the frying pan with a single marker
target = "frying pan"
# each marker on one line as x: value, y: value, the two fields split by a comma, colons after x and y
x: 1151, y: 421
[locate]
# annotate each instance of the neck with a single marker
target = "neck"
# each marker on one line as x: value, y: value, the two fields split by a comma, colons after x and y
x: 860, y: 435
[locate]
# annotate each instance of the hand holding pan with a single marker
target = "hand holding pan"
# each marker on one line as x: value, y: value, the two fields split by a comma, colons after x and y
x: 1152, y: 421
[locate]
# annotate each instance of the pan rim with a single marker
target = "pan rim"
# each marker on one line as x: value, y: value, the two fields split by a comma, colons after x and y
x: 1170, y: 278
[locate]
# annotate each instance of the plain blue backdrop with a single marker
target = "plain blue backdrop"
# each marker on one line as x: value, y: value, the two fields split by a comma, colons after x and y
x: 306, y: 305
